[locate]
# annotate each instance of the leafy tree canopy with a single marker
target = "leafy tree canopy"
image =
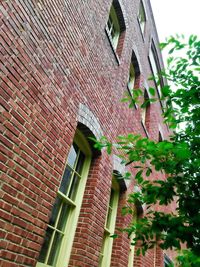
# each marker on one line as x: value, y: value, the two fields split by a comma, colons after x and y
x: 178, y: 158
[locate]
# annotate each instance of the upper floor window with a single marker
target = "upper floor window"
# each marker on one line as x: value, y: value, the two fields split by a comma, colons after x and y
x: 134, y: 74
x: 131, y: 78
x: 142, y: 17
x: 145, y: 112
x: 155, y: 67
x: 109, y: 228
x: 60, y: 231
x: 115, y: 27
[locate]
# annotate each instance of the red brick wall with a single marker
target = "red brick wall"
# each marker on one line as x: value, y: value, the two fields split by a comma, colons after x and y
x: 55, y: 55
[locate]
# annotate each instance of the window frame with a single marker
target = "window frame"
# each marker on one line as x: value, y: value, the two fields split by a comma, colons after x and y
x: 72, y: 219
x: 117, y: 19
x: 107, y: 244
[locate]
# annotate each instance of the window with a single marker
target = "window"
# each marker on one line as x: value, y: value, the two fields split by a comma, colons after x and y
x: 145, y: 112
x: 115, y: 27
x: 134, y: 74
x: 106, y: 251
x: 155, y: 66
x: 142, y: 17
x: 131, y: 79
x: 62, y: 225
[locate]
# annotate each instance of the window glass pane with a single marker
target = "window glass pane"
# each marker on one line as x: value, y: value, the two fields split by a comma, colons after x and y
x: 79, y: 165
x: 109, y: 23
x: 113, y: 31
x: 55, y: 248
x: 72, y: 155
x: 142, y: 17
x: 63, y: 216
x: 45, y: 246
x: 131, y: 80
x: 65, y: 180
x: 74, y: 187
x: 55, y: 211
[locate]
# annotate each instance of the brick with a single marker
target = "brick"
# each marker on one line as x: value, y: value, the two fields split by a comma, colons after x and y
x: 51, y: 78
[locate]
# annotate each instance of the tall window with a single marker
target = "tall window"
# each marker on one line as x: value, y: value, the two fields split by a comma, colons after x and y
x: 134, y: 74
x: 106, y: 251
x: 131, y: 79
x: 145, y: 112
x: 62, y: 225
x: 115, y: 27
x: 155, y: 66
x: 142, y: 17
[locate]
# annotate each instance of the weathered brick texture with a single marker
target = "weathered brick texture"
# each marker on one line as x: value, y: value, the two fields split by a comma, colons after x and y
x: 55, y: 56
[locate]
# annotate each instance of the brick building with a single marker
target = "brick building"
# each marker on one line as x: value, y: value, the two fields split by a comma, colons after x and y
x: 65, y: 65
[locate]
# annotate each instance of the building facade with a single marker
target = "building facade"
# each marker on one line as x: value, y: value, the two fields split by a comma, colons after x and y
x: 65, y: 65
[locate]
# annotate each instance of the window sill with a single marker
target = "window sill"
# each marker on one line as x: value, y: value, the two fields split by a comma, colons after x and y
x: 111, y: 44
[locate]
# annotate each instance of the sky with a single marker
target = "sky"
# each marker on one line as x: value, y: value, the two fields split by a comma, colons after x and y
x: 176, y: 16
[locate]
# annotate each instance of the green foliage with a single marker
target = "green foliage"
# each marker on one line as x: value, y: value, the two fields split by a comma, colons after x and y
x: 178, y: 158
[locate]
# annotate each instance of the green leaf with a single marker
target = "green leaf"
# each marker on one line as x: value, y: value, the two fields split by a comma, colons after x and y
x: 152, y: 91
x: 148, y: 172
x: 114, y: 236
x: 166, y: 90
x: 138, y: 252
x: 126, y: 99
x: 138, y: 176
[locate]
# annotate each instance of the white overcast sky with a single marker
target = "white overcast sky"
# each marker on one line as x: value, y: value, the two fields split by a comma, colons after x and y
x: 176, y: 16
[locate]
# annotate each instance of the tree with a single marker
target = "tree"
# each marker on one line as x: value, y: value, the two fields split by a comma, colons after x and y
x: 178, y: 157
